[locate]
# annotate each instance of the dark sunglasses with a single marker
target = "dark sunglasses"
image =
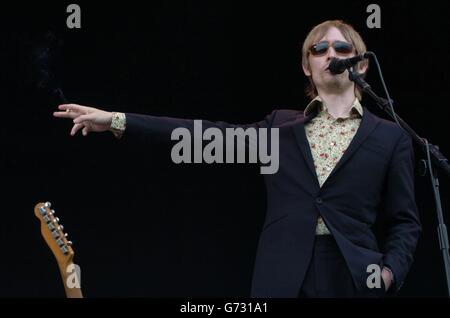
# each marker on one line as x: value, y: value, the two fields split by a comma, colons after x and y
x: 340, y: 47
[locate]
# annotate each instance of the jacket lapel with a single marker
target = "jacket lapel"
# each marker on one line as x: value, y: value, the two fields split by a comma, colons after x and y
x: 302, y: 141
x: 368, y: 123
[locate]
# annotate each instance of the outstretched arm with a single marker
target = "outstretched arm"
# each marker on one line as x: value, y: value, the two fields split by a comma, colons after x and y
x: 90, y: 119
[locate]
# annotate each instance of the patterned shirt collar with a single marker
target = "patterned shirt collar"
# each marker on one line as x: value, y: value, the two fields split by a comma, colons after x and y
x: 317, y: 103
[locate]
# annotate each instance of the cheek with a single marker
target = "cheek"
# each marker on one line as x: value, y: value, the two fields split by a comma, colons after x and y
x: 315, y: 65
x: 315, y: 69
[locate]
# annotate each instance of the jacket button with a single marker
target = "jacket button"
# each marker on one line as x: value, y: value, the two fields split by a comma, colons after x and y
x: 319, y: 200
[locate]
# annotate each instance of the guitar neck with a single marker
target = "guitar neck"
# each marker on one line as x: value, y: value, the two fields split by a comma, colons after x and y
x: 56, y: 239
x: 73, y: 292
x: 70, y: 281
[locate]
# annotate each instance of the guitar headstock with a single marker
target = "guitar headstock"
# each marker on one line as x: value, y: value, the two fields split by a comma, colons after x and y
x: 53, y: 233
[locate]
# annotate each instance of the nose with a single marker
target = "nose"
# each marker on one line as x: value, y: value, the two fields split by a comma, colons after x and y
x: 331, y: 53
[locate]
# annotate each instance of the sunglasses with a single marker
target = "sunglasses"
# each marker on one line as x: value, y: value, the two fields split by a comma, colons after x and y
x: 341, y: 47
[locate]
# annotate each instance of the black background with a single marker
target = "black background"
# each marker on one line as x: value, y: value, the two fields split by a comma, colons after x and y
x: 141, y: 225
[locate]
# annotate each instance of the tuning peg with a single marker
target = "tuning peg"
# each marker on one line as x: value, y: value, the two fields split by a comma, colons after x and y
x: 60, y: 242
x: 42, y: 210
x: 64, y: 250
x: 55, y: 234
x: 60, y: 227
x: 66, y: 235
x: 46, y: 218
x: 47, y: 204
x: 57, y: 220
x: 51, y: 226
x: 69, y: 243
x: 52, y: 212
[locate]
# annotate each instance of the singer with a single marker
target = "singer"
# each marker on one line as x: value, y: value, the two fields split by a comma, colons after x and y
x: 341, y: 171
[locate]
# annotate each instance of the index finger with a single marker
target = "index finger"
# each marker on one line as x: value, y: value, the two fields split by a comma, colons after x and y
x: 72, y: 107
x: 66, y: 114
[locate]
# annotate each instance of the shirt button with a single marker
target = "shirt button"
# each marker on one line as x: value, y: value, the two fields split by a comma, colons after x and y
x: 319, y: 201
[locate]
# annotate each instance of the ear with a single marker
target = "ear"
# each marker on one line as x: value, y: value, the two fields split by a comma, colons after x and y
x: 362, y: 68
x: 306, y: 70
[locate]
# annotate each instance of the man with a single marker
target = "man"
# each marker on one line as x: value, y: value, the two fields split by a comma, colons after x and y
x: 341, y: 170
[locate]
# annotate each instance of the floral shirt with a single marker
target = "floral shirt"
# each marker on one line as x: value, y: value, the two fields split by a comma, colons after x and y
x: 328, y: 138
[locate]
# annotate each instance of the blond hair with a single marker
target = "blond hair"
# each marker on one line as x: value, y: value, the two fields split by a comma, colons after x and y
x: 318, y: 32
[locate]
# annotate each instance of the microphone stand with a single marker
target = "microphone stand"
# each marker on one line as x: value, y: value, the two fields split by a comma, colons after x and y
x: 435, y: 159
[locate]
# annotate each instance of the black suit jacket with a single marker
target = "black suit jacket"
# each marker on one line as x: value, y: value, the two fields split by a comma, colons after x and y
x: 374, y: 178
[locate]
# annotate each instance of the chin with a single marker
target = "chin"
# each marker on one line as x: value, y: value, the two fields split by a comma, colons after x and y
x: 333, y: 81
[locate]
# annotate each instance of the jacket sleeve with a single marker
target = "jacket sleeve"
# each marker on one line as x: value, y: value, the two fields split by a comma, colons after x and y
x: 400, y: 212
x: 147, y: 127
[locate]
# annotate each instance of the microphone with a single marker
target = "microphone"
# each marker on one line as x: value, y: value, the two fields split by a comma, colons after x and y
x: 338, y: 66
